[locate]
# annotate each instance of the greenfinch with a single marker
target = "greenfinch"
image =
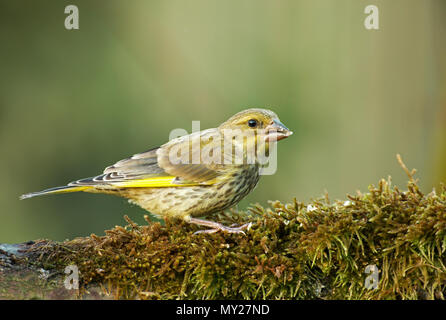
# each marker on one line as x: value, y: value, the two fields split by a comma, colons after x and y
x: 194, y: 175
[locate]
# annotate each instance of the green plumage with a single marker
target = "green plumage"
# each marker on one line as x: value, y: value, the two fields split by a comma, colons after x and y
x: 193, y: 175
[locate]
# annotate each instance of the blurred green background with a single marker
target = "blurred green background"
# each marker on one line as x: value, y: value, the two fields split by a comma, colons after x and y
x: 73, y: 102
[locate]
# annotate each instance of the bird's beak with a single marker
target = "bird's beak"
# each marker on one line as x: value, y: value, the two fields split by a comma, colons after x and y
x: 276, y: 131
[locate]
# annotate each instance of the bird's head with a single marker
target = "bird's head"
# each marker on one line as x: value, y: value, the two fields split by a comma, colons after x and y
x: 265, y: 125
x: 250, y: 132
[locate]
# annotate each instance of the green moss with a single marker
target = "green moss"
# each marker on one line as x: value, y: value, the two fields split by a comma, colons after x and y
x: 293, y: 251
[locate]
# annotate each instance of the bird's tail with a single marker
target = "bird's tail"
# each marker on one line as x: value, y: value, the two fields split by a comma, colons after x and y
x: 55, y: 190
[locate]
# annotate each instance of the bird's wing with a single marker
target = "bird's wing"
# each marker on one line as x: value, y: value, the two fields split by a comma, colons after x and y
x: 140, y: 170
x: 155, y: 168
x: 193, y: 158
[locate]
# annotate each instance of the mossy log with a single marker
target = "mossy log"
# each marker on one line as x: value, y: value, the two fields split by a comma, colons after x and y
x: 320, y: 250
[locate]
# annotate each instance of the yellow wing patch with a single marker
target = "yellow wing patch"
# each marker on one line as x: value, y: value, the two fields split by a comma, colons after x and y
x: 158, y: 182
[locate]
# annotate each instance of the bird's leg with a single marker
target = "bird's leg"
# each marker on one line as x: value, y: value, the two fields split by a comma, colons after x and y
x: 217, y: 226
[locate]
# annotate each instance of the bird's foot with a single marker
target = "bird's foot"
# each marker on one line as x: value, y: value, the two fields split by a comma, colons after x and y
x: 223, y: 228
x: 215, y: 226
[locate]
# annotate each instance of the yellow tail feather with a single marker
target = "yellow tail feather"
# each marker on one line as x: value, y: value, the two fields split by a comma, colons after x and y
x: 56, y: 190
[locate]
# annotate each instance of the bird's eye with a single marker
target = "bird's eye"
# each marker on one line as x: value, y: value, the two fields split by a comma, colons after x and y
x: 252, y: 123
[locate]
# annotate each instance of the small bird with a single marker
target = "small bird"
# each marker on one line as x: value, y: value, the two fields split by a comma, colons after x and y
x: 194, y: 175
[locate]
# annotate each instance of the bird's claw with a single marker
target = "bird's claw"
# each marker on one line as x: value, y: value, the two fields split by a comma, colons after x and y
x: 231, y: 229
